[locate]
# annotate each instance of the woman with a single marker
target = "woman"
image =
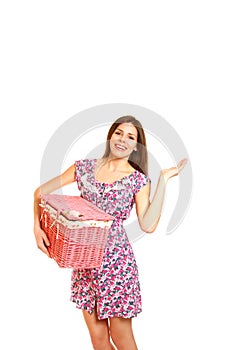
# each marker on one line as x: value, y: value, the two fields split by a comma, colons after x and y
x: 110, y: 296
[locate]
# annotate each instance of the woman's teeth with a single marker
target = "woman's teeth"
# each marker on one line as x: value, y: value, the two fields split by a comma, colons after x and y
x: 121, y: 148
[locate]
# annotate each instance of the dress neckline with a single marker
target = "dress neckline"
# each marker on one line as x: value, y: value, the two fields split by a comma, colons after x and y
x: 114, y: 182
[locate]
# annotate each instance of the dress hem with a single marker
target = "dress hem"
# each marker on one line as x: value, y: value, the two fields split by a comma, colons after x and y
x: 106, y: 316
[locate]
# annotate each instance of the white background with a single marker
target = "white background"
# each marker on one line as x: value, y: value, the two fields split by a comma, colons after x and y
x: 174, y: 57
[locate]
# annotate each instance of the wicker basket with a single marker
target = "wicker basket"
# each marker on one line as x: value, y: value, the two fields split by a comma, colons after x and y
x: 77, y: 230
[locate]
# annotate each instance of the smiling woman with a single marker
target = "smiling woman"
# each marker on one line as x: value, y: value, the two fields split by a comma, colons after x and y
x: 110, y: 295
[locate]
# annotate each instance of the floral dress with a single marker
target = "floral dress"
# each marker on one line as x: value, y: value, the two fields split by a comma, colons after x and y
x: 113, y: 288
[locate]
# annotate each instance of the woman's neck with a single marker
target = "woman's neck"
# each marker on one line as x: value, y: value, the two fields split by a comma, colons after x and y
x: 117, y: 164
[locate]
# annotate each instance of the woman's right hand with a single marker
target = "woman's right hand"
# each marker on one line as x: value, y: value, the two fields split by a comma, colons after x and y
x: 41, y: 240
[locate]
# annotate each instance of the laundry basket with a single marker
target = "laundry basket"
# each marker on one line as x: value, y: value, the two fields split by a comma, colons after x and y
x: 77, y: 230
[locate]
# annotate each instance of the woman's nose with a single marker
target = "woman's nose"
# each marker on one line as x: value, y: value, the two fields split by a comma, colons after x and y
x: 122, y: 138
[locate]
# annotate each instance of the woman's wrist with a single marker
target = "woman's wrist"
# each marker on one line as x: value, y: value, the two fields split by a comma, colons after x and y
x: 163, y: 177
x: 37, y: 223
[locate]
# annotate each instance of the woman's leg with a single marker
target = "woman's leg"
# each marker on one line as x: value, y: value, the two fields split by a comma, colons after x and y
x: 122, y: 334
x: 99, y: 331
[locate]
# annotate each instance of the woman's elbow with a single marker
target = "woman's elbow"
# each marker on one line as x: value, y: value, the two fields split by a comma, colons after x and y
x: 150, y: 229
x: 37, y: 193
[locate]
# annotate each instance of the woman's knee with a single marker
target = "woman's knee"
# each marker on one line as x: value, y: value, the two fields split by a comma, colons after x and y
x: 122, y: 334
x: 100, y: 341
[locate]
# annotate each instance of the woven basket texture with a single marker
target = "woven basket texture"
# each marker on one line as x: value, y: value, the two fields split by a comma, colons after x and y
x: 72, y: 246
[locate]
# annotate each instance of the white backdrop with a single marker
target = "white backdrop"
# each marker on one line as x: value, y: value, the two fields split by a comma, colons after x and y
x: 173, y: 57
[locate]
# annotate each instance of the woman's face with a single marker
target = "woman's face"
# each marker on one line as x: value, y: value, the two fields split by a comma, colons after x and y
x: 124, y: 140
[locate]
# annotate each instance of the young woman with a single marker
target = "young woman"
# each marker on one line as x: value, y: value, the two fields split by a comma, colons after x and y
x: 110, y: 295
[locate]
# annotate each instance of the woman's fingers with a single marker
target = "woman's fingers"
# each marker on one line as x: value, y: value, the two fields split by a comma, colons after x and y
x: 42, y: 240
x: 174, y: 171
x: 45, y: 238
x: 43, y: 248
x: 182, y: 164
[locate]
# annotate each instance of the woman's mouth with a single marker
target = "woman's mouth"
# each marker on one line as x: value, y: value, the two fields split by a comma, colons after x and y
x: 120, y: 147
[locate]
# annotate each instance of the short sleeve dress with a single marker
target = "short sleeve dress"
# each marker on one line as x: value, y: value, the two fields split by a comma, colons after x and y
x: 114, y: 288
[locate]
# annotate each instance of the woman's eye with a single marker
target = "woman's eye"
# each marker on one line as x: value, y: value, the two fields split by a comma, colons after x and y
x: 117, y: 132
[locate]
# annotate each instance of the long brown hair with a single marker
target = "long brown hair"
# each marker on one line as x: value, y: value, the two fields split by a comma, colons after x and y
x: 137, y: 159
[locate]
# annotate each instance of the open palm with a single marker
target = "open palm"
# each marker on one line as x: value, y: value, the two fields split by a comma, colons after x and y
x: 174, y: 171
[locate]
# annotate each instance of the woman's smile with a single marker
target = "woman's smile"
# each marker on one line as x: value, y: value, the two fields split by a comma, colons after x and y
x: 120, y: 147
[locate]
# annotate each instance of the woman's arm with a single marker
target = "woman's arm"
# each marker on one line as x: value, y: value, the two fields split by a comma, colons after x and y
x: 150, y: 213
x: 52, y: 185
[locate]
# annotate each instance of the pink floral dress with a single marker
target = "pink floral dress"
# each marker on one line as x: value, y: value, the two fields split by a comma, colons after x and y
x: 113, y: 288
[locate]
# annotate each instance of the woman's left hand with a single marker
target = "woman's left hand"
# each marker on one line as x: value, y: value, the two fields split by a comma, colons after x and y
x: 174, y: 171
